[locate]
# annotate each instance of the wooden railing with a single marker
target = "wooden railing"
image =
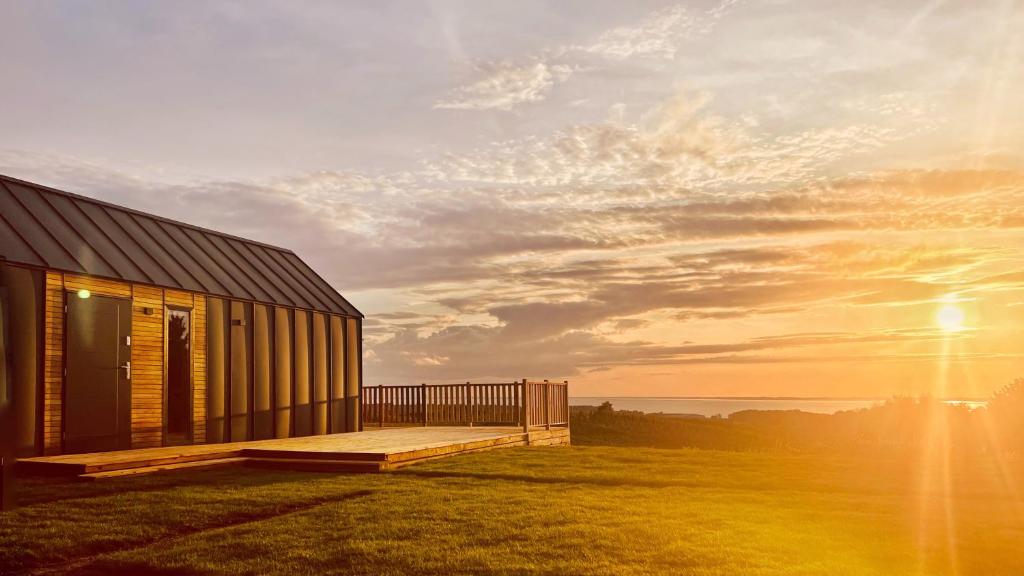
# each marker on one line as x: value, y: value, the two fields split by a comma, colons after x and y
x: 523, y: 403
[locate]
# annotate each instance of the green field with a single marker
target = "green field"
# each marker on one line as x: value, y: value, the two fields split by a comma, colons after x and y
x: 580, y: 510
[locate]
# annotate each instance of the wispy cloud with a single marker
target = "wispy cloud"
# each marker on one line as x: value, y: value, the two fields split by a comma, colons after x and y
x: 657, y: 36
x: 505, y: 85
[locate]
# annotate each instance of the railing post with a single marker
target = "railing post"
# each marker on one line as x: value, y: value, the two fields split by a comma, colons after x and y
x: 547, y: 405
x: 380, y: 405
x: 423, y: 394
x: 526, y: 406
x: 469, y: 404
x: 568, y: 411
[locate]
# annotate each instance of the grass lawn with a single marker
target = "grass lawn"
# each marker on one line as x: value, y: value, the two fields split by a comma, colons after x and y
x: 592, y: 510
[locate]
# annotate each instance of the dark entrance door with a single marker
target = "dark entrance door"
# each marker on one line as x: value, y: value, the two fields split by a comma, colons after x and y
x: 97, y: 389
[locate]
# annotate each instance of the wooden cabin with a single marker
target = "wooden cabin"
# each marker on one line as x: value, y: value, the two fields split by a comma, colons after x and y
x: 122, y: 329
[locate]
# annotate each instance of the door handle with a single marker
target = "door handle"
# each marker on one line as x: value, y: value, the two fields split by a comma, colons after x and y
x: 127, y: 370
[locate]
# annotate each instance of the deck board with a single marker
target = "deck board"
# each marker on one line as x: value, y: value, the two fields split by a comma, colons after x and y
x: 390, y: 447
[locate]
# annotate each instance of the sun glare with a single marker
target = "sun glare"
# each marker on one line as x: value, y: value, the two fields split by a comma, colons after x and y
x: 950, y: 318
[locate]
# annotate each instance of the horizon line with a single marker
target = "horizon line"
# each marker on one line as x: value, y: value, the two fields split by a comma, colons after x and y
x: 850, y: 398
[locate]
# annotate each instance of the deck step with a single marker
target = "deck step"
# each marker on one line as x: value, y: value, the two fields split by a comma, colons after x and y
x: 154, y: 461
x: 192, y: 465
x: 311, y: 465
x: 33, y: 467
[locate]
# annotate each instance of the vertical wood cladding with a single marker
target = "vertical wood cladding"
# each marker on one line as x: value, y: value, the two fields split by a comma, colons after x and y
x: 338, y: 409
x: 262, y: 414
x: 147, y: 366
x: 199, y: 369
x: 303, y: 375
x: 241, y: 371
x: 320, y: 374
x: 283, y: 382
x: 217, y: 369
x: 53, y: 363
x: 353, y: 378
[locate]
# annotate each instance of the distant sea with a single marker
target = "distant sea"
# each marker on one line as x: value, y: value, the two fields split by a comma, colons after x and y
x: 726, y: 406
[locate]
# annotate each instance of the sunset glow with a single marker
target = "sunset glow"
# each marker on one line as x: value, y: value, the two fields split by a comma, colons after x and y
x: 453, y: 287
x: 715, y: 198
x: 950, y: 318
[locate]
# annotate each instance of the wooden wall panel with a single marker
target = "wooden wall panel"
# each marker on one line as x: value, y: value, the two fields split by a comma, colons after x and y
x: 337, y: 354
x: 53, y: 363
x: 97, y: 286
x: 178, y: 298
x: 262, y: 390
x: 199, y: 369
x: 282, y: 373
x: 352, y: 378
x: 302, y: 411
x: 320, y: 374
x: 241, y: 370
x: 217, y: 358
x: 147, y: 367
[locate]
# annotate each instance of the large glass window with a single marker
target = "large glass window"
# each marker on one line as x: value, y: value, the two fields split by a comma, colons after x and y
x: 179, y: 376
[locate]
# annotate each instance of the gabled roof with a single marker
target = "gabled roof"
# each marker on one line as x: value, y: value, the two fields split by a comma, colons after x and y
x: 44, y: 227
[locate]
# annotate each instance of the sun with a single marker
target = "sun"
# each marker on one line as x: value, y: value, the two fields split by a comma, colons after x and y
x: 950, y: 318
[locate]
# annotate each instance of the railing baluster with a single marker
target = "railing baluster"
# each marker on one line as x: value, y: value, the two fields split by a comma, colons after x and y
x: 423, y: 399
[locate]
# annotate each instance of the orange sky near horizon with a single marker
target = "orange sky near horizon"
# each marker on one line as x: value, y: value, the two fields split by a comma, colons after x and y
x: 711, y: 198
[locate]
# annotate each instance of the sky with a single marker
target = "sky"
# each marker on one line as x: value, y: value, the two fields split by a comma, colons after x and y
x: 714, y: 198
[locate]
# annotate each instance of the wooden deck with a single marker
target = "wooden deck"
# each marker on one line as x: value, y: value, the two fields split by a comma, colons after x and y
x: 368, y: 451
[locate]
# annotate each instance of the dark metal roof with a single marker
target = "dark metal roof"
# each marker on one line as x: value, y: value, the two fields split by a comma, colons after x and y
x: 48, y: 228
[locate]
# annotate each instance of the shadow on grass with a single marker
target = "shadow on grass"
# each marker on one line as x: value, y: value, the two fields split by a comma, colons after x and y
x: 36, y: 490
x: 95, y: 564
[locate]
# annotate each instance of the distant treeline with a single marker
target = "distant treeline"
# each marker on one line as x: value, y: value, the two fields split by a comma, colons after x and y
x: 897, y: 425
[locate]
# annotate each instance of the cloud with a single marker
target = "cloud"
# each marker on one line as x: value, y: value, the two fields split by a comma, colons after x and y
x: 657, y: 36
x: 469, y: 350
x: 506, y: 85
x: 601, y: 244
x: 681, y: 142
